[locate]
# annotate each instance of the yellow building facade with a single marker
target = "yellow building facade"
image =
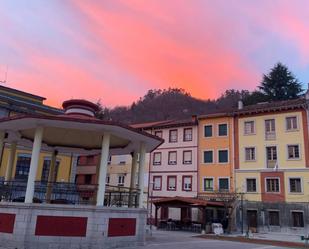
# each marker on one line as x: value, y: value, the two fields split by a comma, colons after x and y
x: 271, y: 165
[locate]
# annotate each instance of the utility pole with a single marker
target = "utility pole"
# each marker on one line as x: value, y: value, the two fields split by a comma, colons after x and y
x: 242, y: 212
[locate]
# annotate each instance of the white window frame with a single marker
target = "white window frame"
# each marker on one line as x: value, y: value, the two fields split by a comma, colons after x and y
x: 153, y: 159
x: 213, y: 184
x: 287, y: 152
x: 250, y: 147
x: 275, y: 131
x: 218, y: 182
x: 183, y: 157
x: 183, y: 183
x: 297, y: 123
x: 213, y: 157
x: 184, y: 134
x: 227, y: 129
x: 265, y: 151
x: 228, y: 156
x: 159, y: 177
x: 301, y: 185
x: 122, y: 177
x: 266, y: 191
x: 168, y: 157
x: 254, y: 127
x: 212, y: 130
x: 256, y: 184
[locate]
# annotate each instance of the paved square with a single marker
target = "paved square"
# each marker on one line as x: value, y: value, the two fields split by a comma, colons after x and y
x: 183, y: 240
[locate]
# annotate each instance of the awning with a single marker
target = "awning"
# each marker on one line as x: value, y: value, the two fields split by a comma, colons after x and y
x: 179, y: 202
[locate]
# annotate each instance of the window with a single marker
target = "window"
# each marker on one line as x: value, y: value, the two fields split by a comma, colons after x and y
x: 158, y: 134
x: 157, y: 158
x: 250, y: 154
x: 107, y: 179
x: 208, y: 131
x: 89, y: 160
x: 208, y: 156
x: 187, y: 157
x: 224, y: 184
x: 297, y: 219
x: 46, y: 168
x: 157, y: 182
x: 270, y: 129
x: 171, y: 183
x: 273, y: 218
x: 121, y: 180
x: 249, y: 128
x: 293, y: 152
x: 208, y: 184
x: 109, y: 160
x: 187, y: 183
x: 291, y: 123
x: 251, y: 185
x: 272, y: 185
x: 187, y: 134
x: 222, y: 130
x: 295, y: 185
x: 223, y: 156
x: 22, y: 167
x: 88, y: 179
x: 172, y: 157
x: 173, y: 136
x: 271, y: 154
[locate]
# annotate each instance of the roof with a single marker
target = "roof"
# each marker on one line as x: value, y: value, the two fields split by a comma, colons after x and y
x: 65, y: 132
x: 15, y: 91
x: 180, y: 201
x: 258, y: 108
x: 166, y: 124
x: 272, y: 106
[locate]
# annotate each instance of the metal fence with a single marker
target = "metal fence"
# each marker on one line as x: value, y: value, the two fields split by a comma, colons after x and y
x: 68, y: 193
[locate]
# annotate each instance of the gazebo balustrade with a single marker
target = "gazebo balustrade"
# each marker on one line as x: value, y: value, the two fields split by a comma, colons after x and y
x: 68, y: 193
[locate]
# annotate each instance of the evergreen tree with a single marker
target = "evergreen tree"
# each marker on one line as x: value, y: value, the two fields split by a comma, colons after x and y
x: 280, y: 84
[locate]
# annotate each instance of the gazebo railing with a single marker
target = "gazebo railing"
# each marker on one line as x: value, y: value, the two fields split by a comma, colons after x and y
x: 68, y: 193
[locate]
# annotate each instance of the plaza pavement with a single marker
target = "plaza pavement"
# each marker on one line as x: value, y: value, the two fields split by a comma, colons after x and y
x: 185, y: 240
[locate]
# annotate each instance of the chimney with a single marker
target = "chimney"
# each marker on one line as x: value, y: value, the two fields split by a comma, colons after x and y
x: 240, y: 105
x: 194, y: 118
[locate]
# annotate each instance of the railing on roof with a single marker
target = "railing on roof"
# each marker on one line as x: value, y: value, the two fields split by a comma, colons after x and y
x: 68, y: 193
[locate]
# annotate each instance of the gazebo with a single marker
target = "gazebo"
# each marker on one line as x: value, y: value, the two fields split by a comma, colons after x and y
x: 38, y: 225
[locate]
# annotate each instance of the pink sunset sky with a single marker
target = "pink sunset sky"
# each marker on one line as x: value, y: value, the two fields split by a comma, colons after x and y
x: 117, y: 50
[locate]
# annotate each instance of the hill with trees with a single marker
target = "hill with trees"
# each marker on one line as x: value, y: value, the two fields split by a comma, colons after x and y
x: 176, y: 103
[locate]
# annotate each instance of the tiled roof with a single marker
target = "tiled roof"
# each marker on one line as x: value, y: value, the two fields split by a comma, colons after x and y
x: 165, y: 124
x: 272, y: 106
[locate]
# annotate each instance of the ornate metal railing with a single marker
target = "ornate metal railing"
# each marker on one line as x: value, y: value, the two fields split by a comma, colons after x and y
x: 68, y: 193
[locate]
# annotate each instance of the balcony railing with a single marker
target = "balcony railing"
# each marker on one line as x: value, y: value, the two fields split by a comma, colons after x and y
x: 68, y: 193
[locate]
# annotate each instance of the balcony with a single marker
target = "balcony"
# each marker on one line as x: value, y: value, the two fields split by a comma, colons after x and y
x: 270, y: 135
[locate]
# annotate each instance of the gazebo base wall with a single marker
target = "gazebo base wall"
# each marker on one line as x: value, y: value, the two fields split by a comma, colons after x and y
x: 25, y: 226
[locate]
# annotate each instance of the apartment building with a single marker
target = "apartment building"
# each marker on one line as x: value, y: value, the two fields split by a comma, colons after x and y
x: 16, y: 102
x: 271, y: 166
x: 173, y: 165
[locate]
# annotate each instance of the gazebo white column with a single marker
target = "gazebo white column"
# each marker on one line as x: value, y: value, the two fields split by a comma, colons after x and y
x: 133, y: 177
x: 142, y: 155
x: 133, y: 170
x: 10, y: 163
x: 34, y: 164
x: 103, y: 169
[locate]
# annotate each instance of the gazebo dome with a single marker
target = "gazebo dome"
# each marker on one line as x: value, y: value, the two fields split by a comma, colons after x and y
x: 80, y: 107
